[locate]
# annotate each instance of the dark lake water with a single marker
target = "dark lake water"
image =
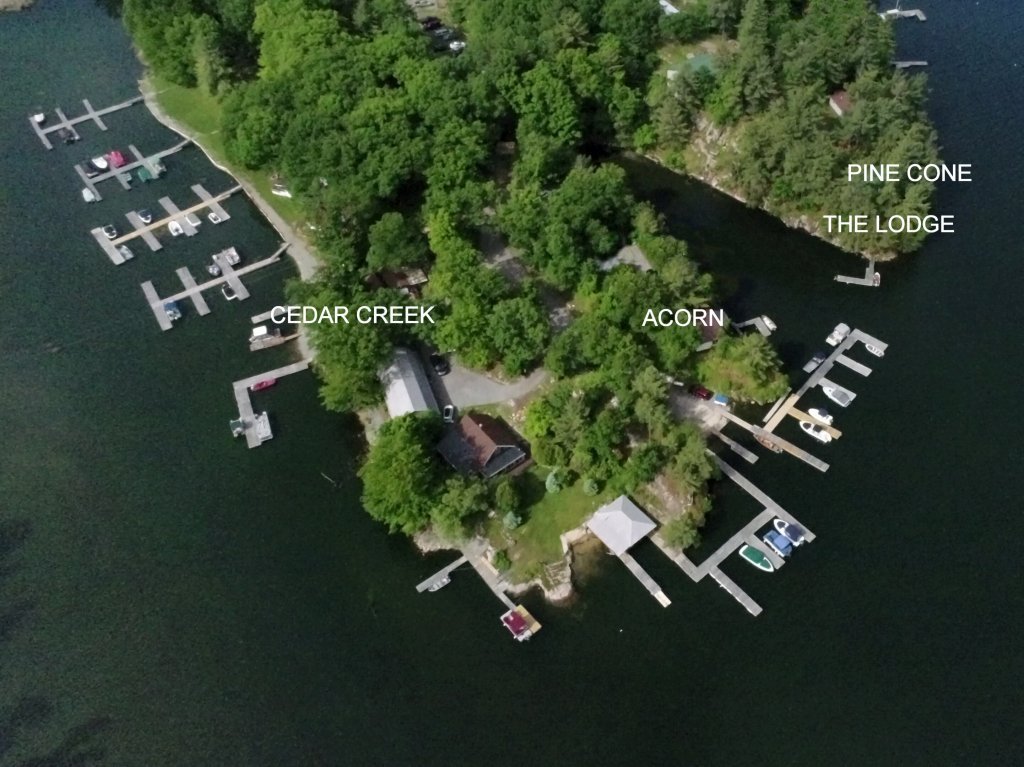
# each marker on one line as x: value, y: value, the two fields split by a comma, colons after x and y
x: 169, y: 598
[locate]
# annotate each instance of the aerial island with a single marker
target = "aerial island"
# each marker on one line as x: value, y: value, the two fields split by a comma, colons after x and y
x: 465, y: 158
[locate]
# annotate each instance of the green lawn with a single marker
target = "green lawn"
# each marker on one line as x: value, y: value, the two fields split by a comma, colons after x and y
x: 201, y: 114
x: 547, y: 516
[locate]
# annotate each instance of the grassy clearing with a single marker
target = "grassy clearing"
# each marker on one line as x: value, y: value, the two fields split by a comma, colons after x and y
x: 201, y: 114
x: 535, y: 543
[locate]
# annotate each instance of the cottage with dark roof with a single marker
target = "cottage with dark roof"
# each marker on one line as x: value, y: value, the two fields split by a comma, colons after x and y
x: 480, y: 444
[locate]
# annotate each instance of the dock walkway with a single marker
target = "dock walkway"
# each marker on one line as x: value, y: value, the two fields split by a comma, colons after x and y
x: 214, y: 204
x: 871, y: 278
x: 95, y: 115
x: 230, y: 276
x: 167, y: 219
x: 441, y: 574
x: 202, y: 308
x: 156, y: 303
x: 789, y: 447
x: 737, y: 448
x: 241, y: 388
x: 125, y: 170
x: 642, y: 576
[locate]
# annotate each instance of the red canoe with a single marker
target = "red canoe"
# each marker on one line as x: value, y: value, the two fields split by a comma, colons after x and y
x: 264, y: 384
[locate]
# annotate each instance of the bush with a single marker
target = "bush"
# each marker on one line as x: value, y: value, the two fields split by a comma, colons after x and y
x: 590, y: 486
x: 511, y: 520
x: 501, y: 561
x: 682, y: 532
x: 506, y: 497
x: 555, y: 481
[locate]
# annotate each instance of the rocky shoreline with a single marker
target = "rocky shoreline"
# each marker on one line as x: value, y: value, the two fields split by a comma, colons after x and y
x: 15, y: 5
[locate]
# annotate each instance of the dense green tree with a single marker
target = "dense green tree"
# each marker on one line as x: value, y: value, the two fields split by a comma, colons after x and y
x: 460, y: 499
x: 395, y: 242
x: 682, y: 532
x: 401, y: 475
x: 745, y: 366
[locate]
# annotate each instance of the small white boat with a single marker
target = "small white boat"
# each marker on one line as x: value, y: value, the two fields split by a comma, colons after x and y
x: 193, y: 219
x: 228, y: 292
x: 821, y: 414
x: 838, y: 334
x: 768, y: 323
x: 263, y: 427
x: 100, y: 163
x: 795, y: 533
x: 175, y: 229
x: 230, y: 255
x: 838, y: 396
x: 39, y: 118
x: 213, y: 269
x: 438, y: 585
x: 109, y: 231
x: 126, y: 252
x: 874, y: 350
x: 213, y: 218
x: 88, y: 195
x: 816, y: 431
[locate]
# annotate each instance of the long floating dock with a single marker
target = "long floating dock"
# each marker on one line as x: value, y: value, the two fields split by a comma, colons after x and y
x: 786, y: 445
x: 642, y: 576
x: 212, y: 202
x: 194, y: 291
x: 441, y: 575
x: 125, y: 170
x: 737, y: 448
x: 175, y: 214
x: 146, y: 234
x: 90, y: 114
x: 149, y: 228
x: 245, y: 412
x: 231, y: 277
x: 871, y: 278
x: 745, y: 535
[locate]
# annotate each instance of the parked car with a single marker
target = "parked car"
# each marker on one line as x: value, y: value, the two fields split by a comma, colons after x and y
x: 700, y: 392
x: 449, y: 414
x: 430, y: 22
x: 440, y: 364
x: 455, y: 46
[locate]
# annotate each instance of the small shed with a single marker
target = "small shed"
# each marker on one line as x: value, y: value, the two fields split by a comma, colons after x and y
x: 620, y: 524
x: 840, y: 102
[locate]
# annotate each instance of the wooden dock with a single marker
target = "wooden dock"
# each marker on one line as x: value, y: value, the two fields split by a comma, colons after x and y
x: 108, y: 246
x: 193, y: 290
x: 746, y: 535
x: 757, y: 323
x: 641, y: 575
x: 230, y: 276
x: 146, y: 234
x: 125, y: 170
x: 202, y: 308
x: 871, y: 278
x: 212, y: 203
x: 898, y: 13
x: 156, y: 305
x: 261, y: 317
x: 737, y: 448
x: 164, y: 221
x: 855, y: 366
x: 909, y: 64
x: 95, y: 115
x: 441, y: 575
x: 786, y: 445
x: 245, y: 411
x: 174, y: 214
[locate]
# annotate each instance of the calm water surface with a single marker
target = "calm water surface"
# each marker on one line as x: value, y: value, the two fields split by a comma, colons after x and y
x: 169, y: 598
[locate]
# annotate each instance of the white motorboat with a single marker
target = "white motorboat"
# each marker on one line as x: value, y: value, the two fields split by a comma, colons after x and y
x: 768, y: 323
x: 213, y: 269
x: 230, y: 255
x: 794, y: 532
x: 175, y: 229
x: 109, y: 231
x: 821, y: 414
x: 39, y: 118
x: 816, y: 431
x: 228, y: 292
x: 100, y: 163
x: 838, y: 396
x: 263, y: 427
x: 126, y: 252
x: 88, y: 195
x: 838, y: 334
x: 874, y: 350
x: 213, y: 218
x: 193, y: 219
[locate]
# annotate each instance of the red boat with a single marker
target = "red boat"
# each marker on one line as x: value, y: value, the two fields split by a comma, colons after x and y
x: 264, y: 384
x: 117, y: 159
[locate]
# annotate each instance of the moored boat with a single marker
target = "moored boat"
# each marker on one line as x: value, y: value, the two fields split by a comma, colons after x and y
x: 821, y: 414
x: 175, y: 228
x: 237, y: 426
x: 145, y: 216
x: 816, y: 431
x: 838, y: 396
x: 266, y: 383
x: 778, y: 543
x: 172, y: 311
x: 874, y: 350
x: 438, y: 585
x: 228, y: 292
x: 263, y: 427
x: 193, y: 219
x: 838, y: 334
x: 765, y: 442
x: 39, y: 118
x: 100, y: 163
x: 126, y: 252
x: 792, y: 531
x: 88, y: 195
x: 768, y: 323
x: 213, y: 269
x: 213, y: 218
x: 757, y: 558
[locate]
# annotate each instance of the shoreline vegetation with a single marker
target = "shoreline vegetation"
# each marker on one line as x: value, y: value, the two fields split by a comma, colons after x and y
x: 403, y: 152
x: 15, y: 5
